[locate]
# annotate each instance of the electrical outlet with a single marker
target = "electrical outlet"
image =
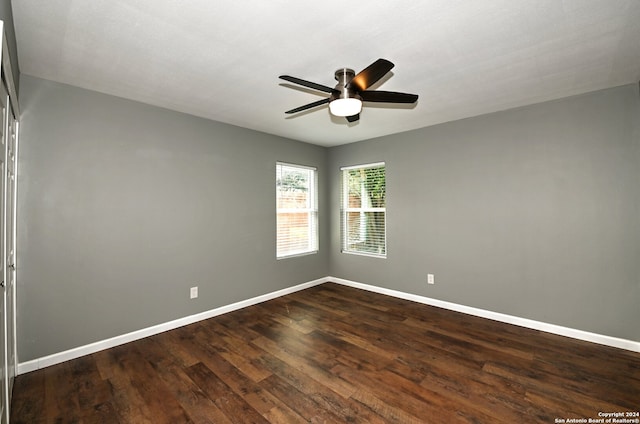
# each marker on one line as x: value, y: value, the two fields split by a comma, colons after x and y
x: 431, y: 279
x: 194, y: 292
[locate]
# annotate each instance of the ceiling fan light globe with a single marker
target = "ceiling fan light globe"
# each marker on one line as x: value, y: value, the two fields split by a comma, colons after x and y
x: 345, y: 107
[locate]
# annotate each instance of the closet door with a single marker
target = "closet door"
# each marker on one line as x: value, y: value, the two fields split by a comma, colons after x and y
x: 4, y: 374
x: 10, y: 246
x: 9, y: 126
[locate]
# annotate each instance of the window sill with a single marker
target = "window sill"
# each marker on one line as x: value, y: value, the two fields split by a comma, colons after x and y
x: 297, y: 255
x: 371, y: 255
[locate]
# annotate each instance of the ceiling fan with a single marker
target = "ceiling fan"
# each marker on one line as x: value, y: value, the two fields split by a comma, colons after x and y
x: 347, y: 96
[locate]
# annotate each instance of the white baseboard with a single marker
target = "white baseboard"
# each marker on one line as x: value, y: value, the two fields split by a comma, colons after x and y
x: 496, y: 316
x: 56, y: 358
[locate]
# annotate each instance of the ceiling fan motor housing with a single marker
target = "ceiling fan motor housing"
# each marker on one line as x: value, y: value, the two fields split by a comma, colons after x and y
x: 344, y: 76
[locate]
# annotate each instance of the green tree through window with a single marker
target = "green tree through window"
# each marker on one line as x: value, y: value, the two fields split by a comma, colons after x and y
x: 364, y: 210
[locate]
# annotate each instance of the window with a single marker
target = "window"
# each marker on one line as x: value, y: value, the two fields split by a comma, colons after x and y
x: 296, y: 210
x: 364, y: 210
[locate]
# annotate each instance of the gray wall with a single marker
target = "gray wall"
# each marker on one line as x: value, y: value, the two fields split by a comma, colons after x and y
x: 6, y: 15
x: 533, y: 212
x: 124, y: 206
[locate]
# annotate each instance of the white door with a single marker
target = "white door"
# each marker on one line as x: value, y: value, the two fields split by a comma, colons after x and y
x: 10, y: 225
x: 9, y: 128
x: 4, y: 380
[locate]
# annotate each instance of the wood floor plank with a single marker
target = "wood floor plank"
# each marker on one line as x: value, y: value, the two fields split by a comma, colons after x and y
x: 394, y: 413
x: 350, y: 300
x: 562, y: 389
x: 60, y: 395
x: 126, y: 400
x: 320, y: 393
x: 304, y: 406
x: 321, y: 375
x: 234, y: 406
x: 332, y: 354
x: 162, y: 405
x: 415, y: 399
x: 200, y: 408
x: 487, y: 341
x: 172, y: 343
x: 237, y: 351
x: 236, y: 378
x: 28, y: 400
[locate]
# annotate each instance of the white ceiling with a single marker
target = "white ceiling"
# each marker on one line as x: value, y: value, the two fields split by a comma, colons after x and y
x: 221, y: 59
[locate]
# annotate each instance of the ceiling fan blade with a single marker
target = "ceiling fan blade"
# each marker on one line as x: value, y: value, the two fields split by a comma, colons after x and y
x: 309, y: 84
x: 372, y: 73
x: 310, y: 105
x: 388, y: 97
x: 353, y: 118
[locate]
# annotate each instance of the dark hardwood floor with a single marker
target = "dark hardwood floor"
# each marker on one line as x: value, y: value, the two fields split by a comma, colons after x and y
x: 334, y: 354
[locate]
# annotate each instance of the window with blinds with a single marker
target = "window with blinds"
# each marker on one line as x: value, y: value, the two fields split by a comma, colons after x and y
x: 296, y: 210
x: 364, y: 210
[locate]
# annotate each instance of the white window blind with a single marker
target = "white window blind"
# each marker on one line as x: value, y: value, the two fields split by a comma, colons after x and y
x: 296, y: 210
x: 364, y: 213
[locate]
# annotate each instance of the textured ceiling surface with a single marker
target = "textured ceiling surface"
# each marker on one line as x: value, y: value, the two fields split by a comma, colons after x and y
x: 221, y: 59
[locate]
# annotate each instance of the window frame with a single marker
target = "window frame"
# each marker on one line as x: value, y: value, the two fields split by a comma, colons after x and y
x: 311, y: 211
x: 345, y: 210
